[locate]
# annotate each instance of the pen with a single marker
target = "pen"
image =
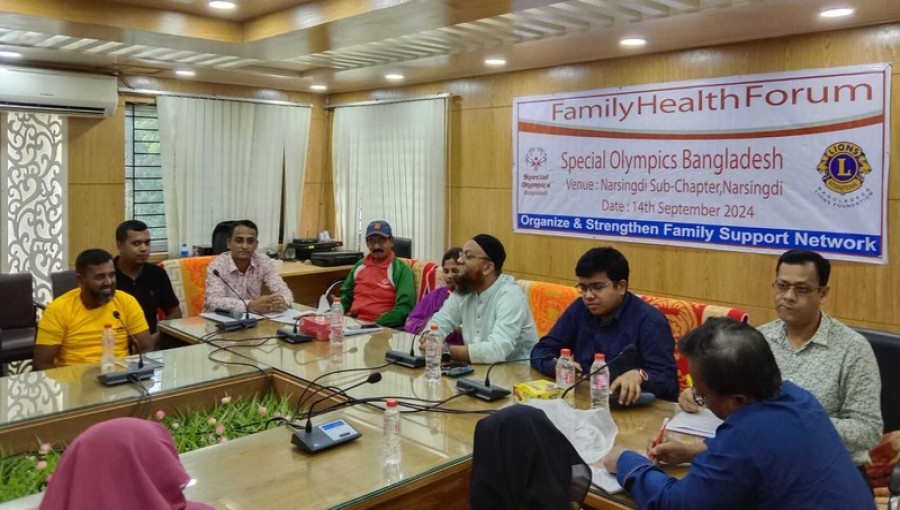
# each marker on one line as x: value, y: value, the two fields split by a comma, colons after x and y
x: 659, y: 438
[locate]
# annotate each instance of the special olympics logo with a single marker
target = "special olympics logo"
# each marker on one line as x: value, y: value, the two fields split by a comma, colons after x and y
x: 843, y: 167
x: 536, y: 157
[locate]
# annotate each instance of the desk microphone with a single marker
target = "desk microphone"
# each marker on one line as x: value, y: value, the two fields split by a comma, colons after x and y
x: 292, y: 335
x: 244, y: 323
x: 321, y: 437
x: 131, y: 373
x: 484, y: 390
x: 628, y: 350
x: 406, y: 359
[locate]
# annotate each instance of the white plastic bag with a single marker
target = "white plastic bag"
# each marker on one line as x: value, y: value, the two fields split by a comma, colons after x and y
x: 591, y: 431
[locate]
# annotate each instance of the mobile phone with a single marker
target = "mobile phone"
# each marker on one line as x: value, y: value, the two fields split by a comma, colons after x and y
x: 457, y: 369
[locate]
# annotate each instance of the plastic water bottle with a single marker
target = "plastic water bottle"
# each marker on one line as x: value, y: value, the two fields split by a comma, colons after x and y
x: 391, y: 433
x: 184, y: 250
x: 599, y: 383
x: 565, y: 374
x: 336, y: 323
x: 108, y: 350
x: 433, y: 349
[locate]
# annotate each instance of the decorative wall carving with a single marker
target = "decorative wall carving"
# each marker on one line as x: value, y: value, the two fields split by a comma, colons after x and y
x: 34, y: 181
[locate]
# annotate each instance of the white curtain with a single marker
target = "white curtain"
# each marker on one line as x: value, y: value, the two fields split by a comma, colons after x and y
x: 389, y: 162
x: 226, y: 160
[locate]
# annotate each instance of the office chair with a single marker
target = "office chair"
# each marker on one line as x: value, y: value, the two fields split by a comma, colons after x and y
x: 18, y: 318
x: 220, y: 236
x: 887, y: 353
x: 403, y: 247
x: 62, y: 282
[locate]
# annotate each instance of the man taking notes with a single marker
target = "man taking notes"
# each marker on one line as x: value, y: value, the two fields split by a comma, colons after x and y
x: 606, y: 319
x: 776, y: 448
x: 245, y: 271
x: 71, y: 327
x: 489, y: 306
x: 380, y: 287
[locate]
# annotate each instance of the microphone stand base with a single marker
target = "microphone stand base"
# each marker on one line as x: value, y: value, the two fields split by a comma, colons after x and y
x: 133, y: 374
x: 405, y: 359
x: 288, y: 335
x: 325, y: 436
x: 237, y: 324
x: 479, y: 390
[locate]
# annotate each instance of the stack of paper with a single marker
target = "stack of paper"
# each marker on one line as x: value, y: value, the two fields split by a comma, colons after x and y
x: 703, y: 423
x: 604, y: 479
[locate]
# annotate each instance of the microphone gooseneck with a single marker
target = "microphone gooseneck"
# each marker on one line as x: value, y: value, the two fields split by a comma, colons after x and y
x: 373, y: 378
x: 246, y: 305
x: 247, y: 321
x: 487, y: 376
x: 131, y: 339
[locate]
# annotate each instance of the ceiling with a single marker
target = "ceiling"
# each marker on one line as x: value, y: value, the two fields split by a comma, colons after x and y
x: 350, y: 45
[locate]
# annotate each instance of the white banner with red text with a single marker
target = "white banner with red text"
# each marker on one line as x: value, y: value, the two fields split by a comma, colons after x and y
x: 762, y: 163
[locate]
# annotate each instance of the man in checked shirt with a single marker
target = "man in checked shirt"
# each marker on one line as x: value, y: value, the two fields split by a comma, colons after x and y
x: 245, y: 271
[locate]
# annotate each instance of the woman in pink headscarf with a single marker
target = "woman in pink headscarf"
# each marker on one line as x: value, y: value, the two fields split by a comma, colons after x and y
x: 125, y: 463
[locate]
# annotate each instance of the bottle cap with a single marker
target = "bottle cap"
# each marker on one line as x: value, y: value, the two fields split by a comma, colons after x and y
x: 565, y: 352
x: 391, y: 402
x: 599, y: 356
x: 107, y: 325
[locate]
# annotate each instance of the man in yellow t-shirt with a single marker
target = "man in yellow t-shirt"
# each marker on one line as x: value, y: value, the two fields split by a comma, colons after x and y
x: 71, y: 327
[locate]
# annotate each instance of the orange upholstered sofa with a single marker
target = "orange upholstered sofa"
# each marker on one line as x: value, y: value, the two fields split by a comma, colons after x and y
x: 549, y: 300
x: 188, y: 277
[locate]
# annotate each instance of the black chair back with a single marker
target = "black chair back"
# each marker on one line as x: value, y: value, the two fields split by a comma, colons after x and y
x: 220, y: 236
x: 887, y: 353
x: 18, y: 318
x: 18, y: 309
x: 403, y: 247
x: 62, y: 282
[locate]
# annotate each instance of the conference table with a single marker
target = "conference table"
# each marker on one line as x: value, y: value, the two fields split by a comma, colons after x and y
x: 265, y: 470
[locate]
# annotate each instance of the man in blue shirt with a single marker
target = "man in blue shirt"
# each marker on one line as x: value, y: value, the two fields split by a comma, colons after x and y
x: 606, y: 319
x: 776, y: 449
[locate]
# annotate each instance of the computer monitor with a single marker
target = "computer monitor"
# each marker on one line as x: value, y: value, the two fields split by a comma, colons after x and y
x: 403, y: 247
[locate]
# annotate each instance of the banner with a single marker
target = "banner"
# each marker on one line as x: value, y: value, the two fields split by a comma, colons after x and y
x: 762, y: 163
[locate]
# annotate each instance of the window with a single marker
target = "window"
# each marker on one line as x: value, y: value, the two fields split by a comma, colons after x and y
x: 143, y: 172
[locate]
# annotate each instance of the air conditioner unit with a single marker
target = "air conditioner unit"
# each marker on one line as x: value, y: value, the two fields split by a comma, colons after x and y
x: 62, y: 93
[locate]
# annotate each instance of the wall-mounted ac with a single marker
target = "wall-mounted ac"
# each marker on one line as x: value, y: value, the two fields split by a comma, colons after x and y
x: 62, y: 93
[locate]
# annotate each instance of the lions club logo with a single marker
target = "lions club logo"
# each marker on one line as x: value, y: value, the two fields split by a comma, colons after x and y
x: 536, y: 157
x: 843, y: 167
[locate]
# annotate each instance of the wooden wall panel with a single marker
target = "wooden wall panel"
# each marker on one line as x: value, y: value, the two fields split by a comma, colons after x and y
x: 95, y: 210
x: 481, y: 179
x: 96, y: 158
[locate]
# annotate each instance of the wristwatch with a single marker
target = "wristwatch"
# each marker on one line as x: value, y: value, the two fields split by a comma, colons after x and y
x: 445, y: 352
x: 644, y: 375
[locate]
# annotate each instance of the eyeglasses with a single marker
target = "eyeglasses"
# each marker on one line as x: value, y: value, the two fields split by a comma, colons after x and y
x: 593, y: 288
x: 801, y: 290
x: 700, y: 401
x: 469, y: 255
x: 376, y: 240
